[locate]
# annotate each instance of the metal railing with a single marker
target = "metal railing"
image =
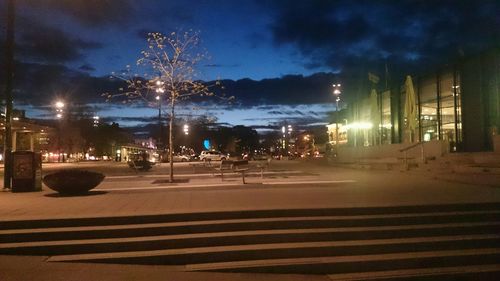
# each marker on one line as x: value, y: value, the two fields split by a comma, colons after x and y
x: 405, y: 153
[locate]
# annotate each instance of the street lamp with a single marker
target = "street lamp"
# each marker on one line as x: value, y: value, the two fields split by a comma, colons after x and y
x: 59, y: 104
x: 186, y: 129
x: 159, y: 91
x: 336, y: 93
x: 59, y: 109
x: 96, y: 121
x: 59, y: 115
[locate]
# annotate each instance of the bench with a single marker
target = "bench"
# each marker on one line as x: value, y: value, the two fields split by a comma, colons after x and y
x: 204, y: 164
x: 140, y: 165
x: 225, y: 166
x: 263, y: 165
x: 241, y: 166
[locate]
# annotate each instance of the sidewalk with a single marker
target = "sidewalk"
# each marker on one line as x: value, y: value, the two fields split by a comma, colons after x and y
x: 315, y: 187
x: 301, y: 186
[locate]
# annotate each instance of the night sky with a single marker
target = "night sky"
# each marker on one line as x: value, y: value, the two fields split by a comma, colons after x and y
x: 278, y: 58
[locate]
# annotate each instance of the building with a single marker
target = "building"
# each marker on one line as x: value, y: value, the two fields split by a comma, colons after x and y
x: 457, y: 104
x: 27, y: 135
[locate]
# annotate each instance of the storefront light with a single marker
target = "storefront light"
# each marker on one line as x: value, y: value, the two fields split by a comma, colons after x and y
x: 360, y: 125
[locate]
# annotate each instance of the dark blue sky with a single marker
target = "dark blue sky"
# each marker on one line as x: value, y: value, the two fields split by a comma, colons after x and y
x: 68, y: 48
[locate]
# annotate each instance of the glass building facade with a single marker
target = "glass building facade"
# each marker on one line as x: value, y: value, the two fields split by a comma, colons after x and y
x: 459, y: 104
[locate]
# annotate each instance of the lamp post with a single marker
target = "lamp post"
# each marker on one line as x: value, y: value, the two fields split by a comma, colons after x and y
x: 158, y: 98
x: 96, y: 121
x: 59, y: 115
x: 336, y: 94
x: 9, y: 81
x: 159, y: 91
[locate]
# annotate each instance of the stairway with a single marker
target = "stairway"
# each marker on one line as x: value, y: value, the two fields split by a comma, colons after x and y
x: 382, y: 243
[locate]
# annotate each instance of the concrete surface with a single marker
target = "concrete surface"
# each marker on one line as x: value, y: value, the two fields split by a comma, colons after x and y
x: 289, y: 184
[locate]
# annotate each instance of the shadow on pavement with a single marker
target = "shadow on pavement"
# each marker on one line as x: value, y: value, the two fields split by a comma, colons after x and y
x: 90, y: 193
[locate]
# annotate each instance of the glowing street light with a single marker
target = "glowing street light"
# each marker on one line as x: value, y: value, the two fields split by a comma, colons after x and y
x: 336, y: 92
x: 186, y: 129
x: 59, y: 115
x: 160, y: 90
x: 59, y: 105
x: 59, y: 109
x: 96, y: 121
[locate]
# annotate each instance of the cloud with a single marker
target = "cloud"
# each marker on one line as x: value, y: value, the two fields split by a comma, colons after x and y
x: 40, y: 84
x: 40, y: 42
x: 288, y: 90
x: 363, y: 34
x: 86, y: 67
x: 135, y: 119
x: 93, y: 13
x: 216, y: 65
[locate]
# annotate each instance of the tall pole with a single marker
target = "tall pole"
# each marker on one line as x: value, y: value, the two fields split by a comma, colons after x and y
x: 159, y: 91
x: 59, y: 115
x: 171, y: 137
x: 336, y: 93
x: 337, y: 123
x: 160, y: 130
x: 9, y: 59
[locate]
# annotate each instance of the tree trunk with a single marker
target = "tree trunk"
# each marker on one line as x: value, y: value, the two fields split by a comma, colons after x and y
x: 171, y: 141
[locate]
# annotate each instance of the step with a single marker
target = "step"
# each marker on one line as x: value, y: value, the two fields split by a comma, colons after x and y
x: 92, y: 232
x: 286, y: 250
x: 357, y: 263
x: 471, y: 272
x: 246, y: 238
x: 185, y: 217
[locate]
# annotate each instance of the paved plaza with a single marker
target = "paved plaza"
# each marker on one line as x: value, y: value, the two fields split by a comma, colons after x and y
x: 286, y: 185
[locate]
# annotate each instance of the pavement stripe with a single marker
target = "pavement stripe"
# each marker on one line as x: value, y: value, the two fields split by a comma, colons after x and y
x: 226, y: 185
x: 309, y: 182
x: 198, y: 175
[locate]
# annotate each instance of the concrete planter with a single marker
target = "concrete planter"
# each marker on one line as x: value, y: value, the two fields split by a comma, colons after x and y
x: 73, y: 182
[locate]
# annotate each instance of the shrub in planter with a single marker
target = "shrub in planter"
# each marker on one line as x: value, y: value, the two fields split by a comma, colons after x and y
x: 72, y: 182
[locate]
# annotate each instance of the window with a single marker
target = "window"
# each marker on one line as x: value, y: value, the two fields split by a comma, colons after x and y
x: 429, y: 109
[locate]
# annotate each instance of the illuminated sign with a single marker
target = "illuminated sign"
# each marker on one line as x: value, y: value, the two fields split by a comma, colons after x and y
x: 206, y: 144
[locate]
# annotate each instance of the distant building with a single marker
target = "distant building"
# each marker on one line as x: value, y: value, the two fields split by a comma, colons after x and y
x: 27, y: 135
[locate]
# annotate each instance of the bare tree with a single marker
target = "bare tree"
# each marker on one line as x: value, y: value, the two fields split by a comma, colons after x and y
x: 169, y: 76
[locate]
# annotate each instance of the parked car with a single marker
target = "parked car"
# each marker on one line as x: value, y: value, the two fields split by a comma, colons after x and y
x: 182, y: 158
x: 254, y: 156
x: 178, y: 158
x: 211, y: 155
x: 140, y: 162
